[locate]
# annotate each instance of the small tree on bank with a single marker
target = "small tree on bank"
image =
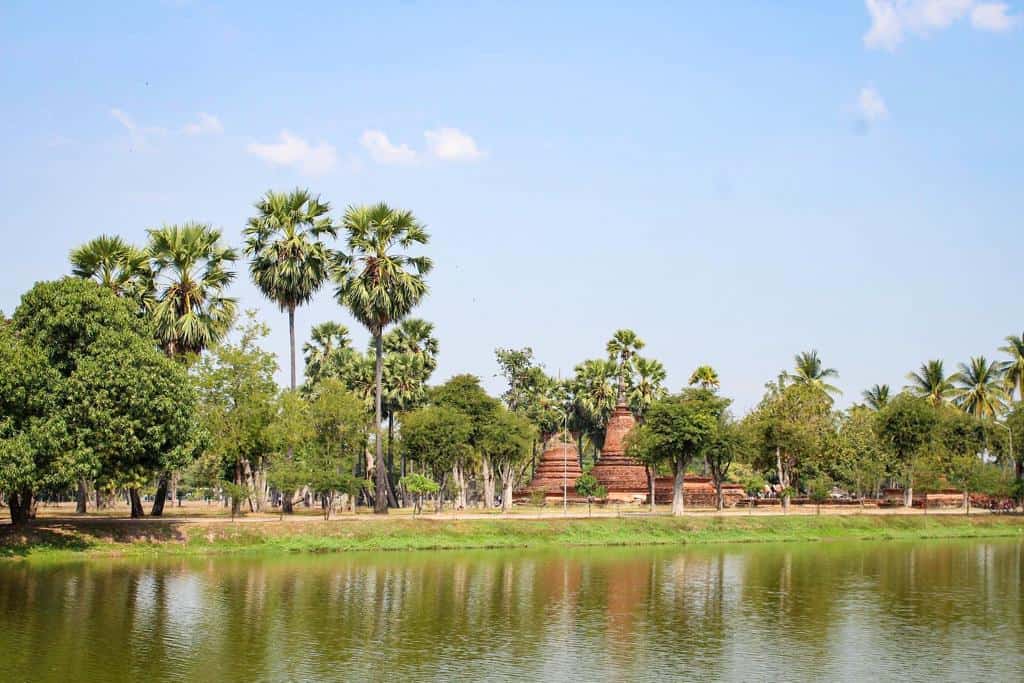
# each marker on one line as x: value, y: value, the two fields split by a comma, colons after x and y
x: 588, y: 487
x: 419, y: 485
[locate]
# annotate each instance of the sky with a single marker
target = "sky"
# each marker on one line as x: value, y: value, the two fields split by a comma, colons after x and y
x: 737, y: 182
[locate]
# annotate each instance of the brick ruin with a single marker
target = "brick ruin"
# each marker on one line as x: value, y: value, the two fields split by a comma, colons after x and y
x: 560, y: 462
x: 624, y: 478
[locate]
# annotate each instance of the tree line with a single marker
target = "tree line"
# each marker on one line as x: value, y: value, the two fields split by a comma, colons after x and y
x: 124, y: 377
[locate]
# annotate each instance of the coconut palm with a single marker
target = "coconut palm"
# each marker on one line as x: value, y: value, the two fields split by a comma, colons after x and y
x: 648, y: 387
x: 325, y: 340
x: 809, y: 370
x: 288, y: 260
x: 380, y: 286
x: 877, y: 396
x: 1013, y: 369
x: 706, y: 377
x: 621, y: 348
x: 115, y: 264
x: 980, y: 388
x: 931, y: 382
x: 191, y: 269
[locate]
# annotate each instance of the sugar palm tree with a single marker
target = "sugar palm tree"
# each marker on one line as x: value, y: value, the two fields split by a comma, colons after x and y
x: 288, y: 260
x: 649, y: 386
x: 808, y: 369
x: 877, y: 396
x: 191, y: 270
x: 980, y: 390
x: 706, y: 377
x: 405, y: 388
x: 109, y: 260
x: 325, y: 340
x: 380, y: 286
x: 621, y: 348
x: 931, y: 382
x: 1013, y: 369
x: 414, y: 336
x: 594, y: 396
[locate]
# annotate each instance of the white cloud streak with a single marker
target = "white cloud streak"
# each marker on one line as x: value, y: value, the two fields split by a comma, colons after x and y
x: 892, y: 20
x: 383, y: 151
x: 870, y: 105
x: 204, y: 124
x: 451, y: 144
x: 293, y: 151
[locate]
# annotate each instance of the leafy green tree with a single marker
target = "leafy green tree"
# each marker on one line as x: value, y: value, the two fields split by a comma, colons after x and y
x: 727, y: 444
x: 931, y: 382
x: 706, y: 377
x: 1013, y: 369
x: 31, y: 428
x: 291, y: 437
x: 1014, y: 434
x: 419, y: 485
x: 191, y: 269
x: 505, y: 440
x: 464, y: 394
x: 590, y: 488
x: 790, y: 429
x: 642, y: 445
x: 907, y: 425
x: 405, y: 389
x: 861, y: 462
x: 379, y: 287
x: 237, y: 391
x: 981, y: 388
x: 877, y: 396
x: 289, y: 262
x: 682, y: 427
x: 622, y: 347
x: 339, y: 433
x: 287, y: 475
x: 809, y: 370
x: 437, y: 437
x: 818, y: 490
x: 115, y: 264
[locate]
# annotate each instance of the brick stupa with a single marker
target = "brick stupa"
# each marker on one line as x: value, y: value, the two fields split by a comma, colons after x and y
x: 559, y: 466
x: 623, y: 477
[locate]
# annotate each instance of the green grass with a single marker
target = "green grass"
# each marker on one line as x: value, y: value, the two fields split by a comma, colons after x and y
x: 104, y: 538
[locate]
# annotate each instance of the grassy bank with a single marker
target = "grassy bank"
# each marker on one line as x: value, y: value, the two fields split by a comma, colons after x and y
x: 59, y: 540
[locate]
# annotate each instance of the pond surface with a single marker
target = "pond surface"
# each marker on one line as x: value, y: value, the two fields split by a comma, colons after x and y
x: 852, y: 611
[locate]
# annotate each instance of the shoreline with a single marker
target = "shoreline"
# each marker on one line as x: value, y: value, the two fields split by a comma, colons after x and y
x: 60, y: 539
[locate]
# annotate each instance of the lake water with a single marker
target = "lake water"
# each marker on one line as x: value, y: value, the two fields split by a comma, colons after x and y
x: 853, y: 611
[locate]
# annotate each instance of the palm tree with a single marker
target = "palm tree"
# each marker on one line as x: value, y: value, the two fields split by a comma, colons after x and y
x: 621, y: 348
x: 190, y: 271
x: 706, y: 377
x: 649, y: 386
x: 808, y: 370
x: 289, y: 262
x: 980, y: 388
x: 930, y: 382
x: 325, y: 340
x: 405, y: 388
x: 112, y: 262
x: 380, y: 287
x: 877, y: 396
x: 594, y: 396
x: 1013, y: 369
x: 414, y: 336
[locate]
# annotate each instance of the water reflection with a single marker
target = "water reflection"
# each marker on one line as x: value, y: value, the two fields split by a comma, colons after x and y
x: 933, y: 611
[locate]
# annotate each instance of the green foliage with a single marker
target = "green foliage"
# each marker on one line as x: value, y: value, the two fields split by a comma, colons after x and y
x: 931, y: 382
x: 681, y: 426
x: 906, y: 426
x: 589, y: 487
x: 116, y: 265
x: 436, y: 437
x: 419, y: 485
x: 981, y: 388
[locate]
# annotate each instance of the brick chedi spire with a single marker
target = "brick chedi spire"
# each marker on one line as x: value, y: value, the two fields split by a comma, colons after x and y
x: 559, y: 466
x: 623, y: 477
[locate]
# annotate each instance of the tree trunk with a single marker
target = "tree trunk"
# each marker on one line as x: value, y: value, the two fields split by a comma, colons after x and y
x: 291, y: 338
x: 380, y: 499
x: 487, y: 471
x: 392, y: 488
x: 908, y: 497
x: 783, y: 479
x: 161, y: 496
x: 20, y: 505
x: 507, y: 480
x: 136, y: 503
x: 173, y: 491
x: 650, y: 488
x: 678, y: 504
x: 718, y: 493
x: 82, y: 498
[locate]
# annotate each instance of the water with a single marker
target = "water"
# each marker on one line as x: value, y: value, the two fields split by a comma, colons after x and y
x: 855, y: 611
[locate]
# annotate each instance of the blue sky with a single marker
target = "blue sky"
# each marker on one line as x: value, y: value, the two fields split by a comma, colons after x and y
x: 735, y: 181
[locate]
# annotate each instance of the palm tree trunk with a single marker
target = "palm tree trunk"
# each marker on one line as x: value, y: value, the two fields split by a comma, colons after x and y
x: 380, y: 499
x: 291, y: 337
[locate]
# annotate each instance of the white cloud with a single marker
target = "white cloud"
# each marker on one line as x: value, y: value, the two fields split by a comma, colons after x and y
x: 383, y: 151
x: 870, y: 105
x: 205, y: 123
x: 891, y: 20
x: 137, y: 133
x: 451, y: 144
x: 294, y: 151
x: 993, y: 16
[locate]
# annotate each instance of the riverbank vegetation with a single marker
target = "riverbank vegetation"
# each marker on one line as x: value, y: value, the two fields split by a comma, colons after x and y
x: 136, y: 378
x: 118, y: 537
